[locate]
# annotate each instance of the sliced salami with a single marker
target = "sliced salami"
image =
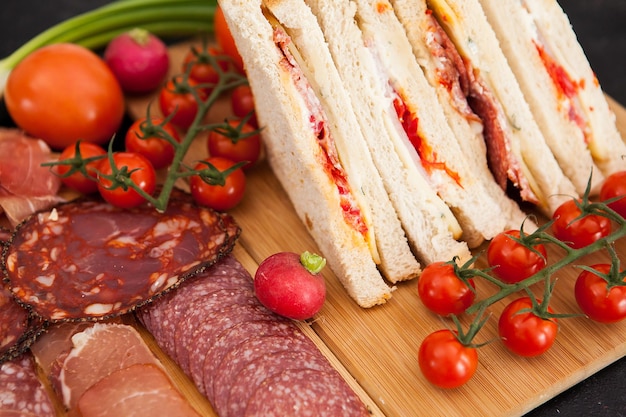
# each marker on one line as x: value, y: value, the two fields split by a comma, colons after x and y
x: 240, y: 356
x: 21, y: 391
x: 207, y: 309
x: 220, y: 335
x: 259, y: 370
x: 228, y: 339
x: 88, y: 259
x: 304, y: 393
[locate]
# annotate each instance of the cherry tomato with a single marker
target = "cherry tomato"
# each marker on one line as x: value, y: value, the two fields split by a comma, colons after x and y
x: 442, y: 291
x: 445, y: 361
x: 147, y: 140
x: 598, y: 302
x: 142, y: 174
x: 523, y: 332
x: 78, y: 181
x: 239, y: 143
x: 615, y: 186
x: 242, y: 104
x: 219, y: 197
x: 582, y: 232
x: 177, y: 99
x: 225, y: 39
x: 63, y: 93
x: 202, y: 71
x: 511, y: 261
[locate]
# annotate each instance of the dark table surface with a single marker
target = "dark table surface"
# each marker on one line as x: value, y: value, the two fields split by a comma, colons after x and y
x: 601, y: 29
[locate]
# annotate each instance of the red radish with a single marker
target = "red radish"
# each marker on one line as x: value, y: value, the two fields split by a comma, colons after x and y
x: 138, y: 59
x: 290, y: 284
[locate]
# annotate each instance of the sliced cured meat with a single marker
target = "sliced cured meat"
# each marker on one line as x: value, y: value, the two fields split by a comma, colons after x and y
x: 21, y: 392
x: 227, y: 333
x: 90, y: 259
x: 244, y: 353
x: 97, y: 352
x: 54, y: 342
x: 303, y: 392
x: 25, y: 186
x: 226, y: 340
x: 14, y: 323
x: 162, y: 318
x: 136, y: 391
x: 259, y: 370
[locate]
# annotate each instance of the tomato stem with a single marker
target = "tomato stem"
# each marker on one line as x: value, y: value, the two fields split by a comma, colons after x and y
x: 570, y: 256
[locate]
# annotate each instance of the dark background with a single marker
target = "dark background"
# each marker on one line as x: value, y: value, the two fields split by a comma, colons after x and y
x: 601, y: 29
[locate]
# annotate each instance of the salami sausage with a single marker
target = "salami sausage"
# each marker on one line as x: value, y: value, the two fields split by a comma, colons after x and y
x: 88, y: 259
x: 233, y: 348
x: 21, y: 391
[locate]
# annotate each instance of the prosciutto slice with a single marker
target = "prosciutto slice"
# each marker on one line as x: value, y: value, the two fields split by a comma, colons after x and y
x: 25, y: 186
x: 136, y: 391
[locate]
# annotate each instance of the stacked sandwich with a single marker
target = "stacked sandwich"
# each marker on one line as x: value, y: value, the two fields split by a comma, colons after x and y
x: 409, y: 131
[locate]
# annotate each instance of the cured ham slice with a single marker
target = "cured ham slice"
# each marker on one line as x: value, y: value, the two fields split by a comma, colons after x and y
x: 25, y: 186
x: 136, y: 391
x: 22, y: 394
x: 96, y: 353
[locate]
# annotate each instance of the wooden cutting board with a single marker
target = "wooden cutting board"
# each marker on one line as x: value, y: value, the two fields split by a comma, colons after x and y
x: 376, y: 348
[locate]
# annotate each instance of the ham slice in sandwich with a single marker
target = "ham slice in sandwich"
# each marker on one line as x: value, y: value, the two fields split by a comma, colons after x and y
x: 561, y: 88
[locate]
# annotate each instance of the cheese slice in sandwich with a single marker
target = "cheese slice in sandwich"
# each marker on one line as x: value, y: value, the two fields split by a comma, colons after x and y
x: 561, y: 88
x: 517, y: 152
x: 315, y: 148
x: 374, y: 57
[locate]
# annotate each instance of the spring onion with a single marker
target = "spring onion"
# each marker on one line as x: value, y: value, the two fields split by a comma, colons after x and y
x: 95, y: 28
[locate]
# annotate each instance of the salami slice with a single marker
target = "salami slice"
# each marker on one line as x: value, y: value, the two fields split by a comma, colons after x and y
x: 21, y: 391
x: 18, y: 327
x: 88, y: 259
x: 224, y: 342
x: 259, y: 370
x: 244, y: 353
x: 305, y: 393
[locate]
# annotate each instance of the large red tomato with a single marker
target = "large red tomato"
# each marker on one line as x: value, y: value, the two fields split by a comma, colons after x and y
x: 225, y: 39
x: 63, y: 93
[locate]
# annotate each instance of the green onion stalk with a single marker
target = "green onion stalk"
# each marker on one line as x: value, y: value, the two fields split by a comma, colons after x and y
x: 95, y: 28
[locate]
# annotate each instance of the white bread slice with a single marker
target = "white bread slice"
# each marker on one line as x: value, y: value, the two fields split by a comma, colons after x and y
x: 285, y: 107
x: 400, y: 77
x: 429, y: 223
x: 464, y: 123
x: 467, y: 27
x: 524, y: 26
x: 397, y: 262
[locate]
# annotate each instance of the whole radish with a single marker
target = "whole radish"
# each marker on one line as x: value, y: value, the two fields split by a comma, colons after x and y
x: 290, y: 284
x: 138, y: 59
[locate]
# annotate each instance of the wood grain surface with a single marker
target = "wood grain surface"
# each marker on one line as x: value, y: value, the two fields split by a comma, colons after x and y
x: 376, y: 349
